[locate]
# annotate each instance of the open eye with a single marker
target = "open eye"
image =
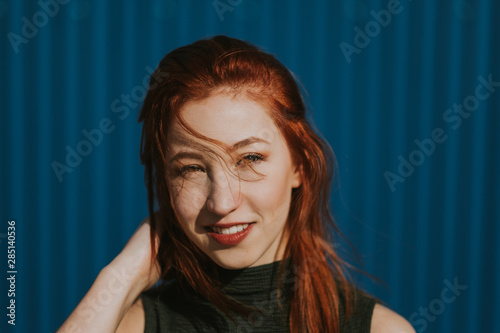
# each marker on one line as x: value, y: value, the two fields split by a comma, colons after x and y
x: 250, y: 158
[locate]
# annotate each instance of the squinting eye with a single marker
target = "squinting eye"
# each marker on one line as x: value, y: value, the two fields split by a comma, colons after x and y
x: 250, y: 158
x: 191, y: 169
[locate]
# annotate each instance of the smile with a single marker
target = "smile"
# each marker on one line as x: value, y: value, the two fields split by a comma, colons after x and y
x: 232, y: 235
x: 231, y: 230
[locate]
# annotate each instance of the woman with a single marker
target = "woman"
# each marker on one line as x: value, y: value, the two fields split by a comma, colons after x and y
x: 238, y: 187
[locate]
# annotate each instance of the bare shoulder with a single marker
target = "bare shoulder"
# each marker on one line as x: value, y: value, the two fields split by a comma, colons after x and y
x: 384, y: 320
x: 134, y: 319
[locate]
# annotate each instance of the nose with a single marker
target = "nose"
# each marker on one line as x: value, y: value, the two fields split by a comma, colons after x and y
x: 224, y: 196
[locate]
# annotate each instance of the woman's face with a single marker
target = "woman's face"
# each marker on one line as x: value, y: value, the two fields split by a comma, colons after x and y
x: 231, y: 213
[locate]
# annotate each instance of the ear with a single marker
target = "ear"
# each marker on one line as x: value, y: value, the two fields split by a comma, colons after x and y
x: 297, y: 176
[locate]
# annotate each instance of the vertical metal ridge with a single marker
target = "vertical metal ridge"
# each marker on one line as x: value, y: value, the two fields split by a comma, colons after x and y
x: 454, y: 94
x: 98, y: 163
x: 425, y: 125
x: 478, y: 176
x: 398, y: 136
x: 44, y: 176
x: 70, y: 187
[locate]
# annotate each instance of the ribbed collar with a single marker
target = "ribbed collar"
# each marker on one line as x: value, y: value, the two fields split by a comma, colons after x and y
x: 251, y: 281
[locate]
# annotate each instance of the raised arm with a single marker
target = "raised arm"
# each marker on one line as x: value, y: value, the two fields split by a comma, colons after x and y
x: 116, y: 288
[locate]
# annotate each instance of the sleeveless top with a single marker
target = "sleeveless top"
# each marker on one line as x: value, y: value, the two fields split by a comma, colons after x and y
x: 169, y: 309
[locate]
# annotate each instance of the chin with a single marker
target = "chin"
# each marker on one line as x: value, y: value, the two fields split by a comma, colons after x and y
x: 230, y: 260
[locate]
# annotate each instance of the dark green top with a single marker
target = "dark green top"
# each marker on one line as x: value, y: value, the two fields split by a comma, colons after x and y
x: 168, y: 309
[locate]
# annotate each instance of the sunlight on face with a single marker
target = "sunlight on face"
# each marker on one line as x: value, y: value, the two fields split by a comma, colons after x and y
x: 233, y: 207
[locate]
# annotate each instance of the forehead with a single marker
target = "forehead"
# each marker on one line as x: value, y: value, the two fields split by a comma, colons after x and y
x: 224, y: 118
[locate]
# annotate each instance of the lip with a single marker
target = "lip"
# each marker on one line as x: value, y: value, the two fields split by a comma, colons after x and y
x: 233, y: 239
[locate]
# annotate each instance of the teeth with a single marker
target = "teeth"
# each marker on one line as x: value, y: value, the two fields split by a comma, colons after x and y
x: 229, y: 231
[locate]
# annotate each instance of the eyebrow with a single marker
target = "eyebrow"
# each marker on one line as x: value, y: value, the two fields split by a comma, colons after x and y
x: 247, y: 142
x: 238, y: 145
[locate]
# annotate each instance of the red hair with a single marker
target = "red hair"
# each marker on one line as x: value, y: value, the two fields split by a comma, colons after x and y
x: 208, y: 67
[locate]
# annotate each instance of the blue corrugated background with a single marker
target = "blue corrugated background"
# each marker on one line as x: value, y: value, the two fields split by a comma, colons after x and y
x: 440, y: 225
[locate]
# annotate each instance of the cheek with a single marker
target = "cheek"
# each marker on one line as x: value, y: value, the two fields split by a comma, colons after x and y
x: 273, y: 195
x: 188, y: 202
